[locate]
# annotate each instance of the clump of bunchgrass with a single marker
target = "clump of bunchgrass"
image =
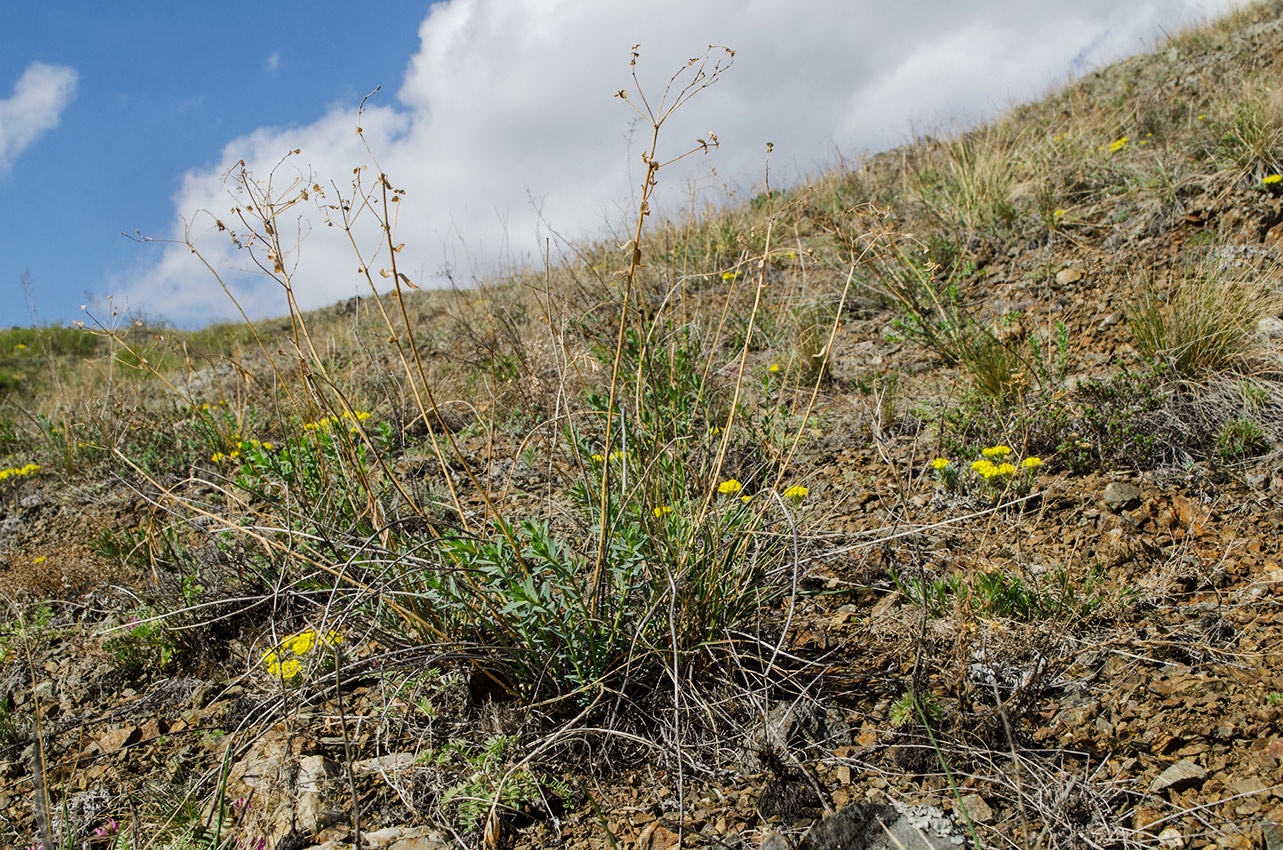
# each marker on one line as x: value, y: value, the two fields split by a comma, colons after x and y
x: 1205, y: 320
x: 971, y: 193
x: 1239, y: 439
x: 1246, y: 129
x: 924, y: 284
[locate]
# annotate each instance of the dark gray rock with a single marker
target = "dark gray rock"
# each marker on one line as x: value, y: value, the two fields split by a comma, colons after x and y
x: 1184, y: 774
x: 865, y: 826
x: 1120, y: 495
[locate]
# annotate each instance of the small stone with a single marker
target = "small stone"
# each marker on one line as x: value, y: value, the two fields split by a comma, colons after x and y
x: 119, y: 738
x: 1119, y: 495
x: 1171, y: 839
x: 1271, y: 327
x: 387, y: 765
x: 656, y: 837
x: 976, y: 807
x: 1257, y: 480
x: 393, y: 838
x: 1180, y: 776
x: 1116, y: 547
x: 1143, y: 817
x: 1189, y: 513
x: 885, y: 605
x: 1065, y: 277
x: 884, y: 827
x: 773, y: 841
x: 1251, y: 785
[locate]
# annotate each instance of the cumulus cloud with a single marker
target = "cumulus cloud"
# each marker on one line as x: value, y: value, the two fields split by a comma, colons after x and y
x: 505, y: 124
x: 39, y: 98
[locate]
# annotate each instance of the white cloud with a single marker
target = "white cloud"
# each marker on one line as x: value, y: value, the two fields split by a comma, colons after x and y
x: 272, y: 62
x: 39, y: 98
x: 510, y: 100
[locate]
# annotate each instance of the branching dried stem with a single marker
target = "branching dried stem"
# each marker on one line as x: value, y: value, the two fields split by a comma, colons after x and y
x: 701, y: 78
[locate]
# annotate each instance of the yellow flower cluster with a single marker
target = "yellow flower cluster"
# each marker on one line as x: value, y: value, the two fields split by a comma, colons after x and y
x: 19, y: 471
x: 988, y: 470
x: 1272, y: 179
x: 219, y: 457
x: 325, y: 422
x: 940, y: 463
x: 731, y: 486
x: 663, y: 510
x: 1118, y: 144
x: 286, y: 661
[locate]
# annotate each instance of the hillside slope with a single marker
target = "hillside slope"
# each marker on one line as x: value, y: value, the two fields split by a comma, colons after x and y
x: 943, y: 490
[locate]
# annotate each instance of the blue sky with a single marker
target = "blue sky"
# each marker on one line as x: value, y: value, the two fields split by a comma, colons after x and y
x: 161, y: 88
x: 496, y: 116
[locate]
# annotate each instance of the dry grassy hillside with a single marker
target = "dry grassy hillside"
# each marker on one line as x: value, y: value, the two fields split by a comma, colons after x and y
x: 942, y: 490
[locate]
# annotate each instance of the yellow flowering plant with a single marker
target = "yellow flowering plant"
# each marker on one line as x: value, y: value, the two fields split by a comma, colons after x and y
x: 289, y: 659
x: 945, y: 472
x: 730, y: 486
x: 19, y: 471
x: 309, y: 466
x: 996, y: 473
x: 797, y: 492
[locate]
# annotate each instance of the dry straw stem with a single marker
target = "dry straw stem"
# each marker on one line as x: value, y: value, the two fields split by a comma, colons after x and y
x: 700, y: 78
x: 40, y: 763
